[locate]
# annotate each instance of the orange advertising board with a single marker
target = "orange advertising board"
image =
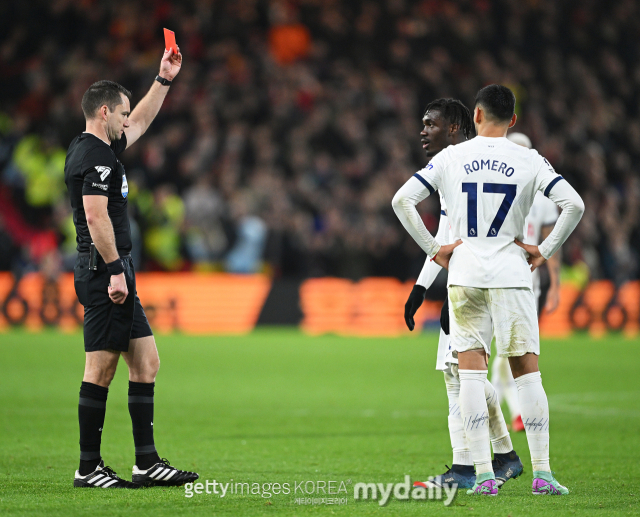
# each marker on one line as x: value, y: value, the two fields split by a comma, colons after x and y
x: 210, y: 303
x: 370, y: 307
x: 196, y: 303
x: 375, y: 306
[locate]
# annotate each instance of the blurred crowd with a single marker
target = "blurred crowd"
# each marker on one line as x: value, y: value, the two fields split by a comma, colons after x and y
x: 293, y: 123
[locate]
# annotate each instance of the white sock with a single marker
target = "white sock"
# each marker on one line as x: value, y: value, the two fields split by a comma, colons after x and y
x: 498, y: 432
x: 502, y: 380
x: 535, y: 416
x: 475, y: 417
x: 511, y: 391
x: 461, y: 452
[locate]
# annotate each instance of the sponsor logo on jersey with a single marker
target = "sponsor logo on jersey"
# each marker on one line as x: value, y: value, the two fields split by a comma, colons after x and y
x: 100, y: 186
x: 125, y: 186
x: 104, y: 171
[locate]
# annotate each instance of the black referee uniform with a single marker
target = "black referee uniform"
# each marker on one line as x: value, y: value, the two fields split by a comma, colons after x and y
x: 92, y: 167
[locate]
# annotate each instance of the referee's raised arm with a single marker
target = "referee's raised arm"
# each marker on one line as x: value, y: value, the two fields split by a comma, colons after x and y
x: 147, y: 109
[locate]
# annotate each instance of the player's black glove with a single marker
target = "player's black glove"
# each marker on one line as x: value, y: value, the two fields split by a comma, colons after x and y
x: 444, y: 316
x: 413, y: 304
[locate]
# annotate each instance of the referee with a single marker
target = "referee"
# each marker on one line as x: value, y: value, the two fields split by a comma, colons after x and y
x: 114, y: 321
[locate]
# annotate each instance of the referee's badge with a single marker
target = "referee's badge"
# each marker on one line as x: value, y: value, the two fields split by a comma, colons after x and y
x: 125, y: 186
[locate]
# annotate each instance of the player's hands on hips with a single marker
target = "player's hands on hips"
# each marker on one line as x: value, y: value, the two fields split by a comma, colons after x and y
x: 170, y: 64
x: 118, y: 289
x: 553, y: 299
x: 535, y: 259
x: 413, y: 304
x: 443, y: 256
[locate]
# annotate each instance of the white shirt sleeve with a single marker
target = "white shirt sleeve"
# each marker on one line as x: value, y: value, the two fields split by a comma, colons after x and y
x: 430, y: 269
x: 556, y: 188
x: 418, y: 188
x: 550, y: 213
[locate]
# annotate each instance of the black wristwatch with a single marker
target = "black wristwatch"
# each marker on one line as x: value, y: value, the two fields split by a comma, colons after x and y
x: 163, y: 81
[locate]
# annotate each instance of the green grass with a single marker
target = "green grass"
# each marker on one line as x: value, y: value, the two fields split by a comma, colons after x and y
x: 277, y: 406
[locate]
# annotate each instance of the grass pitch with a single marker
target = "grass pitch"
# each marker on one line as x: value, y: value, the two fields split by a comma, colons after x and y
x: 277, y: 406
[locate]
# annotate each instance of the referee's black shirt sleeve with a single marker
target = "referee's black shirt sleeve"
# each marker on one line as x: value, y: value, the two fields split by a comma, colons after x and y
x: 98, y: 167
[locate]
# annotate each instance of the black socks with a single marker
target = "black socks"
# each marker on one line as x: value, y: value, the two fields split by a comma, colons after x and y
x: 91, y: 409
x: 141, y: 411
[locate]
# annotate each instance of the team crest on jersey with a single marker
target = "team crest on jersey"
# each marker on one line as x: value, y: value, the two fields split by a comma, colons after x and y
x: 125, y: 186
x: 104, y: 171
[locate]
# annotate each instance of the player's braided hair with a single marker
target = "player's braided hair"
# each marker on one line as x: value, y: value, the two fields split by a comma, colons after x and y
x: 453, y: 111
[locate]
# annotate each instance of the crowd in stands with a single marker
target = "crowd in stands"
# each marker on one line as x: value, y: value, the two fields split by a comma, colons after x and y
x: 293, y: 123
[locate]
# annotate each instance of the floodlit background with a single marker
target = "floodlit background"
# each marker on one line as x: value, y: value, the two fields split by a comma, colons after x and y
x: 291, y: 126
x: 261, y: 195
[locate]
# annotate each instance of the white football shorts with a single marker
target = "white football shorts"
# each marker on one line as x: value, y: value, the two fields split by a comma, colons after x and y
x: 445, y: 352
x: 509, y: 314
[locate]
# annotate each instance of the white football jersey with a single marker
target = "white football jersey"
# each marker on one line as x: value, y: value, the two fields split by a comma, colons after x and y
x: 446, y: 229
x: 544, y: 212
x: 488, y: 185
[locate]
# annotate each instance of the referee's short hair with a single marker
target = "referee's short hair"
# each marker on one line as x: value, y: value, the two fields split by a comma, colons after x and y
x: 100, y: 94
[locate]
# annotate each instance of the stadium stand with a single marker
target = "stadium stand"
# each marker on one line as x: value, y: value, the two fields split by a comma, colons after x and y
x: 293, y: 123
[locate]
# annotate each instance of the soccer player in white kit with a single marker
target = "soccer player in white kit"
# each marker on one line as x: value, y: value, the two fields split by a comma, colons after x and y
x: 489, y: 184
x: 537, y: 226
x: 449, y: 122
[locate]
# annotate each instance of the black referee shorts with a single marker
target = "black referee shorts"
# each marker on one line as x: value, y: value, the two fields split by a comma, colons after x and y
x: 107, y: 325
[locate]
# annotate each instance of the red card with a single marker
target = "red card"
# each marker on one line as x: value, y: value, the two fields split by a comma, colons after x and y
x: 170, y: 40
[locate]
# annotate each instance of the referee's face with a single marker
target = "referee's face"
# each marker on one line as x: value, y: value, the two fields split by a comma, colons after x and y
x: 118, y: 120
